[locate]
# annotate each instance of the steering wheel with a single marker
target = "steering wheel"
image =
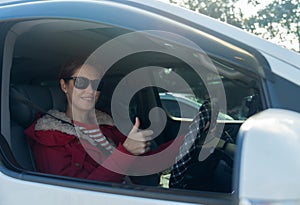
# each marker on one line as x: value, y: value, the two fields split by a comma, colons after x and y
x: 191, y: 173
x: 215, y: 172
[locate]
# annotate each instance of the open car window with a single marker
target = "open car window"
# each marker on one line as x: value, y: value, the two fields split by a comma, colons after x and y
x: 242, y: 103
x: 161, y: 77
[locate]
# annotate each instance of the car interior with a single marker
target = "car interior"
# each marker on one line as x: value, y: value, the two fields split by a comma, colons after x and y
x: 41, y: 47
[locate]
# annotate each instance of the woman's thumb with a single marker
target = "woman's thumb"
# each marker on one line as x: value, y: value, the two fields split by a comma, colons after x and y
x: 135, y: 126
x: 137, y: 123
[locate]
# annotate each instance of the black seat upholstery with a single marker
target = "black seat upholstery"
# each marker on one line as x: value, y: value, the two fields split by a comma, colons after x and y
x: 109, y: 84
x: 44, y: 97
x: 22, y: 115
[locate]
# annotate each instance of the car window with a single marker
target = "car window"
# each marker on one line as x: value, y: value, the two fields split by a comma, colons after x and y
x: 157, y: 85
x: 173, y: 108
x: 241, y: 101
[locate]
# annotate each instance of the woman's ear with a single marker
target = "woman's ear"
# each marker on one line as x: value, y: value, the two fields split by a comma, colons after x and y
x: 63, y: 86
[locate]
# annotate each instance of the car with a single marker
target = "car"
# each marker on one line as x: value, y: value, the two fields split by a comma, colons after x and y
x: 172, y: 102
x: 144, y: 48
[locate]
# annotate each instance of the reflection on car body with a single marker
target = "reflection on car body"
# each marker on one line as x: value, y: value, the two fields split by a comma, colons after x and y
x: 151, y: 52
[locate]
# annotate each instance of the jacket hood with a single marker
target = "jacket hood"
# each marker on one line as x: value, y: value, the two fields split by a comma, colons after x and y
x: 48, y: 122
x: 50, y: 131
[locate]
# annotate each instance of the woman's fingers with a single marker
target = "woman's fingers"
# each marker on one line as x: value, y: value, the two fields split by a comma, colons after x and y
x: 138, y: 142
x: 135, y: 134
x: 143, y: 136
x: 136, y: 147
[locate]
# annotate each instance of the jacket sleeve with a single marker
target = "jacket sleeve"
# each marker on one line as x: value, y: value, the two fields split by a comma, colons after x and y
x: 113, y: 133
x: 114, y: 167
x: 60, y: 154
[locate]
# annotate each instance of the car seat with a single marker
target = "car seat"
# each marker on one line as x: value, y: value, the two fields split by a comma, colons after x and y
x: 109, y: 84
x: 46, y: 97
x: 22, y: 115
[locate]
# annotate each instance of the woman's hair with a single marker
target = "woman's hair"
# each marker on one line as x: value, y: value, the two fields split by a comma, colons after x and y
x: 70, y: 67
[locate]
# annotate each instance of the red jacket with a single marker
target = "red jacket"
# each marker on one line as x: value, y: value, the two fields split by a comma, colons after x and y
x: 57, y: 150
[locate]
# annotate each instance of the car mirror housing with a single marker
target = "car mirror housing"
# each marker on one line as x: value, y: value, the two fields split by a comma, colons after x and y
x: 267, y: 159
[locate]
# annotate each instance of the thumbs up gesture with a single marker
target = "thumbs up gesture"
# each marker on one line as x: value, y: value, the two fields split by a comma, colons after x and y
x: 138, y: 142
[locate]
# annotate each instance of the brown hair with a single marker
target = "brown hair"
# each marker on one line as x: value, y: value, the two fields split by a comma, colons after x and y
x: 70, y: 67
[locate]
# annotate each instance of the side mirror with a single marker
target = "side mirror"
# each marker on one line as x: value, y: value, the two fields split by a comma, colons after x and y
x: 267, y: 162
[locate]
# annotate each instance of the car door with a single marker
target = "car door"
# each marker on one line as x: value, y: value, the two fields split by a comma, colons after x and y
x: 140, y: 49
x: 23, y: 18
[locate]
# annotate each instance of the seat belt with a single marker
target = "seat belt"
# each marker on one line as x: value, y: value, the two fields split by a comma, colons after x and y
x: 21, y: 98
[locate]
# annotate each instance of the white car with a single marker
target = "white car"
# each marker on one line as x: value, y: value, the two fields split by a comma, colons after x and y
x: 172, y: 102
x: 147, y: 47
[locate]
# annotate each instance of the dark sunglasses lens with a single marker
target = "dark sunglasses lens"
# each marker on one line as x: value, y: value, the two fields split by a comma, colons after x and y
x: 81, y: 83
x: 95, y: 84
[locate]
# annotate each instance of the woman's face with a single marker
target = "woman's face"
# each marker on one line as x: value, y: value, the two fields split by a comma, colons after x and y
x: 82, y: 99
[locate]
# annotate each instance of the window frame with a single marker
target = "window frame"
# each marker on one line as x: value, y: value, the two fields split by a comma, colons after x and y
x: 28, y: 12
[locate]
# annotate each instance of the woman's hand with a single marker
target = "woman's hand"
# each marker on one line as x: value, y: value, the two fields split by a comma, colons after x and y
x: 138, y: 142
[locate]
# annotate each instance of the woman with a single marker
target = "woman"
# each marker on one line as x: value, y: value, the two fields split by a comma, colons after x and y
x: 54, y: 138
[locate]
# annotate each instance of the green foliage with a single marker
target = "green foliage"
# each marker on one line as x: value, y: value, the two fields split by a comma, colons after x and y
x: 224, y: 10
x: 278, y: 20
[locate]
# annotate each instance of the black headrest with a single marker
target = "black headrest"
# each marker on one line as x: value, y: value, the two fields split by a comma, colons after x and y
x: 109, y: 83
x: 45, y: 97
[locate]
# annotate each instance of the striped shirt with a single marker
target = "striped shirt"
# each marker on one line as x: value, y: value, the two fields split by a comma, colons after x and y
x: 94, y: 133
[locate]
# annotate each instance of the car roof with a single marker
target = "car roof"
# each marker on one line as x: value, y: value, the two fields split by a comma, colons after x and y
x: 216, y: 28
x: 188, y: 16
x: 252, y: 40
x: 12, y: 2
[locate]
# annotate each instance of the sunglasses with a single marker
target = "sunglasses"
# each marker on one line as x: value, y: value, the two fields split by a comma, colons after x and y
x: 83, y: 83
